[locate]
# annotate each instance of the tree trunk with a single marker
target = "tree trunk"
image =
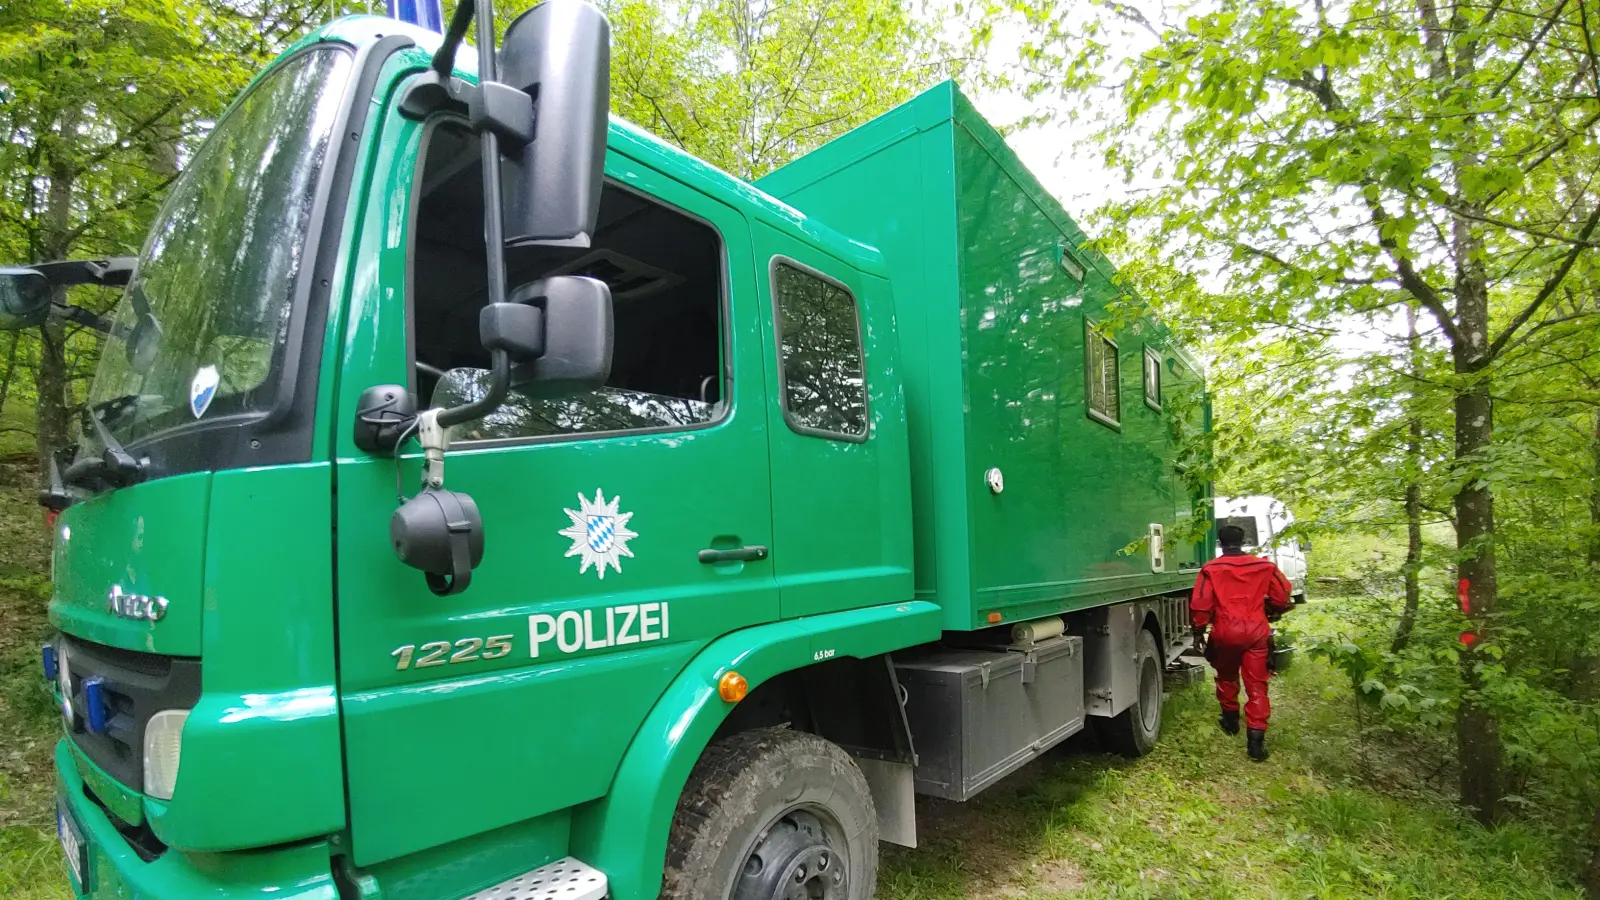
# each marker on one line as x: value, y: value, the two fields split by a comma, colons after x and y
x: 11, y: 368
x: 53, y: 418
x: 1591, y: 875
x: 1594, y: 499
x: 1413, y: 567
x: 52, y: 382
x: 1477, y: 730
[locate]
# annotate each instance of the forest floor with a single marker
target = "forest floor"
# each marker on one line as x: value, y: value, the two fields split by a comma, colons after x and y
x: 1322, y: 818
x: 1327, y: 817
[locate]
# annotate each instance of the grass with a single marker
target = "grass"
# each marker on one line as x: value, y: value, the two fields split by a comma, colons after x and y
x: 31, y: 867
x: 1323, y: 818
x: 1196, y: 819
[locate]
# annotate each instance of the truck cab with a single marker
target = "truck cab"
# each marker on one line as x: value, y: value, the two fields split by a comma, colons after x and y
x: 480, y: 496
x: 1265, y: 521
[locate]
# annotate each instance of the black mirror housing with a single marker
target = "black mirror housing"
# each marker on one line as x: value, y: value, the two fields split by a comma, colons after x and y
x: 579, y: 335
x: 514, y: 327
x: 559, y: 53
x: 441, y: 533
x: 24, y: 298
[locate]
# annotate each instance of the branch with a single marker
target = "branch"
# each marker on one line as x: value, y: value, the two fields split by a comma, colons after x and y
x: 1410, y: 279
x: 1580, y: 243
x: 124, y: 203
x: 1550, y: 285
x: 1132, y: 15
x: 1533, y: 47
x: 1274, y: 258
x: 137, y: 129
x: 1588, y: 46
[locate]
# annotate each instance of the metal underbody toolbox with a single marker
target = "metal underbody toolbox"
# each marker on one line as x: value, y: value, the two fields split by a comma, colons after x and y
x: 978, y: 715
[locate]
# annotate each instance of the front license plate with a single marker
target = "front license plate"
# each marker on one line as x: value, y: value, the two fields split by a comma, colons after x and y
x: 74, y: 846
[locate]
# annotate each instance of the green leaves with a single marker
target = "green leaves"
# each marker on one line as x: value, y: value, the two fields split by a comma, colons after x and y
x: 749, y: 86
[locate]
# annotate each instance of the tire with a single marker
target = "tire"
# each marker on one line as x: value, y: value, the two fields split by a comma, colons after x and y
x: 1135, y: 730
x: 764, y: 806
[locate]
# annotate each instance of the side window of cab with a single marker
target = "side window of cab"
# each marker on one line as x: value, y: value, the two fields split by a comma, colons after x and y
x: 665, y: 270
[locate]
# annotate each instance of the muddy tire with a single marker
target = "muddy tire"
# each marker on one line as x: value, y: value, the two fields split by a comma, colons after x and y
x: 1135, y: 730
x: 770, y: 814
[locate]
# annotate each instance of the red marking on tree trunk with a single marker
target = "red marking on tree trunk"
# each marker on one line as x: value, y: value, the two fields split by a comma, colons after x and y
x: 1462, y: 592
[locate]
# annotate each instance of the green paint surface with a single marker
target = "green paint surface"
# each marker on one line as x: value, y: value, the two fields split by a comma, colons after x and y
x: 148, y: 539
x: 297, y: 872
x: 991, y: 335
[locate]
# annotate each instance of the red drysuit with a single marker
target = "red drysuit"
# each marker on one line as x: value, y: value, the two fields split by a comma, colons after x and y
x: 1229, y: 597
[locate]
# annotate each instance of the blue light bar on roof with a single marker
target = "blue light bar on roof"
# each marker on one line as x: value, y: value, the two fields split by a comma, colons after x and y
x: 427, y: 13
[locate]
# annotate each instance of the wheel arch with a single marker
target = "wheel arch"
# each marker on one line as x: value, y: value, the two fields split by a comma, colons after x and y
x: 624, y: 834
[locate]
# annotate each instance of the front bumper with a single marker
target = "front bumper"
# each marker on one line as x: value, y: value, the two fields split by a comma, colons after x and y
x: 295, y: 872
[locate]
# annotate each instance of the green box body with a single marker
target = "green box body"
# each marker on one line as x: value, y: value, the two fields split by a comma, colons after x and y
x: 991, y: 333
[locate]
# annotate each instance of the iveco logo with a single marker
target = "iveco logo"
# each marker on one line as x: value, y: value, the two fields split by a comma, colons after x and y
x: 136, y: 606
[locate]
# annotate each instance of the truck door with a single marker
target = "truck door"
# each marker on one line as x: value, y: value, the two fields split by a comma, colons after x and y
x: 518, y: 697
x: 837, y: 432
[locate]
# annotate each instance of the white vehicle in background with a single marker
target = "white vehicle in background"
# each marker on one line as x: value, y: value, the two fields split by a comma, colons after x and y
x: 1264, y: 519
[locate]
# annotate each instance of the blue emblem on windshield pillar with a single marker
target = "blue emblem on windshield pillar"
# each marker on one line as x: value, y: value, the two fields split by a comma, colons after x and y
x: 202, y: 389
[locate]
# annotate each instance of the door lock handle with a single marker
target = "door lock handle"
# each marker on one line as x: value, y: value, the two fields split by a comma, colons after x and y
x: 738, y: 554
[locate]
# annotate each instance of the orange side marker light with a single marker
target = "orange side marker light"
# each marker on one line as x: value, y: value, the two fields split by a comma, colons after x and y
x: 732, y: 687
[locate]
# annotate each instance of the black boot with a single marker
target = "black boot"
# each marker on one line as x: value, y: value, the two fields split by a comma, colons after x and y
x: 1256, y: 744
x: 1229, y: 720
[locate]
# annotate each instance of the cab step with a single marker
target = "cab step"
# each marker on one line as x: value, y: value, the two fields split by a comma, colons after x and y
x: 568, y: 879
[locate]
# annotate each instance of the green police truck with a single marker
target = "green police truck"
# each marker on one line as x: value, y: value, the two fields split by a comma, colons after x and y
x: 480, y: 498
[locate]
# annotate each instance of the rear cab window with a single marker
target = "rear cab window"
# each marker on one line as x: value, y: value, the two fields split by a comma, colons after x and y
x: 820, y: 362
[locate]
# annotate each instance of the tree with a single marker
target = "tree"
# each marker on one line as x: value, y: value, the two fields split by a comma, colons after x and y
x: 750, y: 84
x: 101, y: 104
x: 1328, y: 160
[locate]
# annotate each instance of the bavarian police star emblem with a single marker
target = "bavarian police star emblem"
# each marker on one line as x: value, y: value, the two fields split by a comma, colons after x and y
x: 599, y: 533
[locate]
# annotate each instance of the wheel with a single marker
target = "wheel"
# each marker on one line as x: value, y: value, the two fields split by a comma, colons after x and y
x: 1134, y: 731
x: 773, y: 814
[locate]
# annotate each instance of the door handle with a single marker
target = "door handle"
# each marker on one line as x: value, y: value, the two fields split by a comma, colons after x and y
x: 738, y: 554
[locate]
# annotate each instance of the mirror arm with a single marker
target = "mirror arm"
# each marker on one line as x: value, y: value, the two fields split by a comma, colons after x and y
x: 81, y: 316
x: 110, y: 272
x: 499, y: 386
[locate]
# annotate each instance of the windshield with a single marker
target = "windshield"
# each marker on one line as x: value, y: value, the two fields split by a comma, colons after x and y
x: 203, y: 327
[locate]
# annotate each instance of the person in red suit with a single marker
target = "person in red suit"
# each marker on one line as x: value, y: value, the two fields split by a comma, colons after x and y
x: 1238, y: 595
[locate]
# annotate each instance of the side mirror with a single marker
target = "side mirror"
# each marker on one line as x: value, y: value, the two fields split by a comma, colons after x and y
x: 1305, y: 544
x: 573, y: 353
x: 24, y: 298
x: 559, y: 53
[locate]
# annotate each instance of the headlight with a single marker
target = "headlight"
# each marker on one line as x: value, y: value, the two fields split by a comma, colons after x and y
x: 64, y: 683
x: 163, y: 744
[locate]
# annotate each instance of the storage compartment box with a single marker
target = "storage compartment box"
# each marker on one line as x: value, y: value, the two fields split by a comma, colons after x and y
x: 978, y: 715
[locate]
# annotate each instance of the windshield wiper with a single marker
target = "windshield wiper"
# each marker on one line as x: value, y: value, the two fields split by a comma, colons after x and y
x: 115, y: 466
